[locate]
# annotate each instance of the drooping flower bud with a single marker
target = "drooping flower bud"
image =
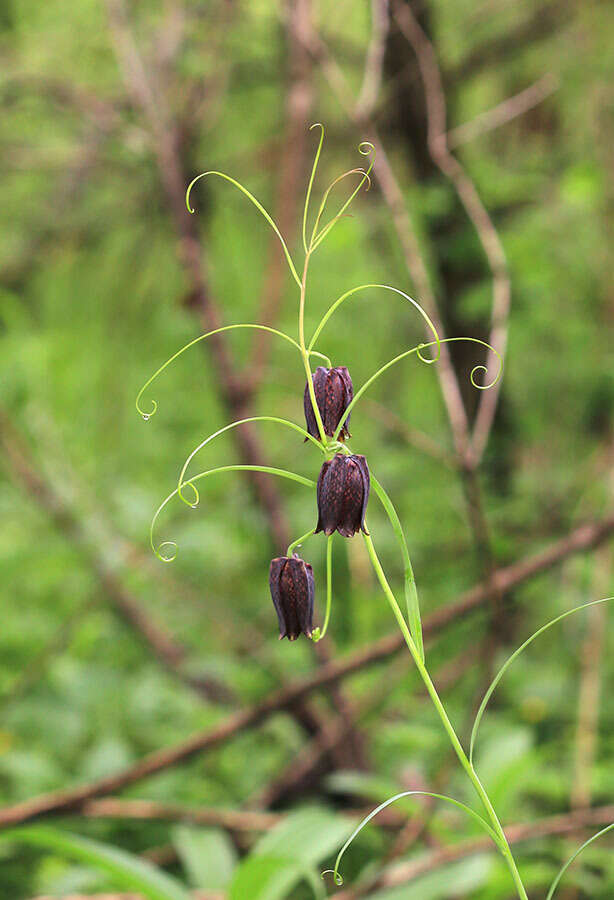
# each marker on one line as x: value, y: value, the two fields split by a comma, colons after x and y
x: 343, y: 493
x: 292, y: 590
x: 334, y: 392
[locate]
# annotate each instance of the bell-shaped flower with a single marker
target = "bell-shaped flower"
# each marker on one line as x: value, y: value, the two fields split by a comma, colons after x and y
x: 292, y: 590
x: 343, y: 493
x: 334, y: 392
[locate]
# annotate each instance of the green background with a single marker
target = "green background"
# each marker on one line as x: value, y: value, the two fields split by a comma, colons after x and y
x: 95, y: 295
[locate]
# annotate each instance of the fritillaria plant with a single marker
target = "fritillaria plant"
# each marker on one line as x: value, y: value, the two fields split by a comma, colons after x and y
x: 341, y: 495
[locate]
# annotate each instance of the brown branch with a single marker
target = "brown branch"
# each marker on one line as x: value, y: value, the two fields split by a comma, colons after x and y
x: 504, y: 112
x: 412, y: 436
x: 545, y: 19
x: 170, y: 654
x: 229, y: 819
x: 589, y: 694
x: 299, y: 100
x: 408, y: 240
x: 516, y: 834
x: 476, y: 211
x: 165, y: 141
x: 581, y: 539
x: 374, y: 60
x: 165, y: 144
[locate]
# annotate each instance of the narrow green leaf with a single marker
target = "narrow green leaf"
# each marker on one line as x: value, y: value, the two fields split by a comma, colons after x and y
x: 313, y: 834
x: 126, y: 870
x: 411, y: 592
x: 513, y: 657
x: 207, y: 854
x: 264, y: 877
x: 554, y: 884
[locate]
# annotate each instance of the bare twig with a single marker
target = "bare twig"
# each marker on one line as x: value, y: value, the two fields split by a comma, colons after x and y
x: 156, y: 639
x: 475, y: 209
x: 412, y: 436
x: 165, y: 144
x: 504, y: 112
x: 581, y: 539
x: 299, y: 99
x: 408, y: 240
x: 374, y: 60
x: 569, y: 823
x: 235, y: 820
x: 590, y: 687
x: 235, y: 393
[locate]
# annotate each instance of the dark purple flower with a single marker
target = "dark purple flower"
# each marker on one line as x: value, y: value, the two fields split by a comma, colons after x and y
x: 334, y: 392
x: 343, y: 493
x: 292, y: 590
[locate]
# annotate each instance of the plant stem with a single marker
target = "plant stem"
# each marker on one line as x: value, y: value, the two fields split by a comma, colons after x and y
x: 292, y: 547
x: 305, y: 353
x: 456, y: 744
x: 329, y: 586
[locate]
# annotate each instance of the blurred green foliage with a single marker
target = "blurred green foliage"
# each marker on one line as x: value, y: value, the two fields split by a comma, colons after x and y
x: 93, y: 298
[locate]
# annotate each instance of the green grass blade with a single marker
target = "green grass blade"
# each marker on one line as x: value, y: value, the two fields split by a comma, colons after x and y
x: 513, y: 657
x: 258, y: 206
x: 126, y: 870
x: 554, y: 884
x: 411, y: 592
x: 335, y: 872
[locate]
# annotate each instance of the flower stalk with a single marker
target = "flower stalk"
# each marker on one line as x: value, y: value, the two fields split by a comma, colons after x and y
x: 502, y: 842
x: 343, y: 486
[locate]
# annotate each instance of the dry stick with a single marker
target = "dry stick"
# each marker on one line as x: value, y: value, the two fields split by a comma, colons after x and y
x: 413, y: 436
x: 158, y: 641
x: 437, y: 143
x: 409, y: 243
x: 307, y: 761
x: 583, y: 538
x: 590, y: 688
x: 165, y: 143
x: 504, y: 112
x: 233, y: 388
x: 374, y: 60
x: 449, y: 383
x: 299, y: 100
x: 556, y: 825
x: 475, y: 209
x: 568, y: 823
x: 235, y: 820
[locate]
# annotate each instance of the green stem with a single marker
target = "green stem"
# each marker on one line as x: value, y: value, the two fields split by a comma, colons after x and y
x: 274, y: 419
x: 411, y: 591
x: 311, y: 179
x: 416, y: 350
x: 305, y: 352
x: 297, y: 543
x: 456, y: 744
x: 268, y: 470
x: 258, y: 206
x: 317, y: 633
x: 202, y: 337
x: 364, y: 287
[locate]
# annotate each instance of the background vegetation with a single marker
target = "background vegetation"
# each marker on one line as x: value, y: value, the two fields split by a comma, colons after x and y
x: 108, y: 656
